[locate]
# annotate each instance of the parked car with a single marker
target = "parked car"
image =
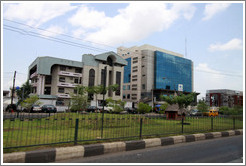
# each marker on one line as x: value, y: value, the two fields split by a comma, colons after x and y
x: 91, y: 108
x: 49, y: 108
x: 36, y: 108
x: 196, y: 113
x: 131, y: 110
x: 11, y: 107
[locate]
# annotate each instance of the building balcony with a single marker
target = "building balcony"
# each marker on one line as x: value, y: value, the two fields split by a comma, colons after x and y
x: 68, y: 85
x: 34, y: 84
x: 69, y: 74
x: 60, y: 95
x: 34, y: 75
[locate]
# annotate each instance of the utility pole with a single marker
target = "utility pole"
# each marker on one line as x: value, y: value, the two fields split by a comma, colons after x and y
x: 13, y: 88
x: 104, y: 91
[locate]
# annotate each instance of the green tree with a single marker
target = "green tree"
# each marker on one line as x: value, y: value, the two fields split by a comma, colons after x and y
x: 79, y: 100
x: 182, y: 100
x: 26, y: 88
x: 95, y: 90
x: 27, y: 104
x: 236, y: 110
x: 202, y: 106
x: 117, y: 106
x: 163, y: 107
x: 143, y: 108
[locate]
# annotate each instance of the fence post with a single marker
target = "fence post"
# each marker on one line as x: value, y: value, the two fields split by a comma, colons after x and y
x: 182, y: 125
x: 76, y: 131
x: 212, y: 123
x: 234, y: 123
x: 141, y: 124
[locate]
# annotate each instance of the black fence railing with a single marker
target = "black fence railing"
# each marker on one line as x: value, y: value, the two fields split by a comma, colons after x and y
x: 39, y: 129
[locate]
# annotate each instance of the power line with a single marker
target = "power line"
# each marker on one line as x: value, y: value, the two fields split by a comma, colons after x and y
x: 57, y: 33
x: 34, y: 34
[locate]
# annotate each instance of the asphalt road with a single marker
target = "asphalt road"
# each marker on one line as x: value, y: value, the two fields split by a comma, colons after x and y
x: 219, y: 150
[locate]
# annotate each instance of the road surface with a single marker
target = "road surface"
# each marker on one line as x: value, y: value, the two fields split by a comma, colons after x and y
x: 219, y: 150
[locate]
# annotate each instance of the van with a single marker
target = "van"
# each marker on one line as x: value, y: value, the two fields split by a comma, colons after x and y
x: 211, y: 112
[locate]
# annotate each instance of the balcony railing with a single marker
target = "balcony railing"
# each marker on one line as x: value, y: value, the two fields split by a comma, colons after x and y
x: 71, y: 74
x: 34, y: 84
x: 63, y: 84
x: 34, y: 75
x: 63, y: 95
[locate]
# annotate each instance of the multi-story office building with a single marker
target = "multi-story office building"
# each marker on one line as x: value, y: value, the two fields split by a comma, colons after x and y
x: 152, y: 71
x: 224, y: 97
x: 56, y: 79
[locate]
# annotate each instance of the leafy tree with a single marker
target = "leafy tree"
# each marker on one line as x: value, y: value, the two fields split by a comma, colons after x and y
x: 27, y: 88
x: 236, y: 110
x: 143, y: 108
x: 163, y: 107
x: 79, y: 100
x: 27, y: 104
x: 182, y: 100
x: 117, y: 106
x: 202, y: 106
x: 95, y: 90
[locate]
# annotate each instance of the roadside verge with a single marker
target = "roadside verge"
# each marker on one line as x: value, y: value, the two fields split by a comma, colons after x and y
x: 65, y: 153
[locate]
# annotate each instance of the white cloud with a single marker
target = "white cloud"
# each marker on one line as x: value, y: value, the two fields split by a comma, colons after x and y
x: 206, y: 78
x: 35, y: 14
x: 234, y: 44
x: 213, y: 9
x: 133, y: 23
x: 52, y: 31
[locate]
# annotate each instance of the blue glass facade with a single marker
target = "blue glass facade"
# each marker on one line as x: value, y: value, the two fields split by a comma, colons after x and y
x: 127, y: 71
x: 175, y: 70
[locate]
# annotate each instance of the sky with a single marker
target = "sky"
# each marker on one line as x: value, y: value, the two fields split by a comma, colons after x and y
x: 209, y: 34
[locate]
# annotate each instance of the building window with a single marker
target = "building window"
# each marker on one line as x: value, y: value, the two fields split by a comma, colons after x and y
x: 62, y: 79
x: 76, y: 80
x: 134, y: 79
x: 135, y: 76
x: 48, y: 80
x: 118, y: 81
x: 75, y: 91
x: 134, y: 85
x: 47, y: 90
x: 134, y: 67
x: 127, y: 71
x: 135, y: 58
x: 61, y: 90
x: 128, y: 87
x: 143, y: 75
x: 78, y: 70
x: 128, y: 96
x: 134, y: 89
x: 91, y: 77
x: 143, y: 57
x: 124, y: 96
x: 143, y: 66
x: 134, y: 98
x: 124, y: 87
x: 143, y: 86
x: 134, y: 94
x: 109, y: 61
x: 103, y: 75
x: 63, y: 68
x: 135, y: 61
x: 135, y: 70
x: 60, y: 102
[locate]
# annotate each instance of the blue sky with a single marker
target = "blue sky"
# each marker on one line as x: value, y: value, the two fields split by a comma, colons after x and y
x: 213, y: 31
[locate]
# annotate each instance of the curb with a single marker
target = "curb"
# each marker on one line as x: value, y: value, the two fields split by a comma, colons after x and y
x: 65, y: 153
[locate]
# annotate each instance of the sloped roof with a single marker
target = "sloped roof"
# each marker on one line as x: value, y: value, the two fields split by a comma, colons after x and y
x: 175, y: 108
x: 116, y: 57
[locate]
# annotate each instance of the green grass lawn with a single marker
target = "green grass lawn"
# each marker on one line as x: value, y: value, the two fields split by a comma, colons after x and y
x: 60, y: 128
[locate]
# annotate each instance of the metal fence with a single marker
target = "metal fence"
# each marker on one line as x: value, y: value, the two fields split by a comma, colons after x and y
x: 37, y: 129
